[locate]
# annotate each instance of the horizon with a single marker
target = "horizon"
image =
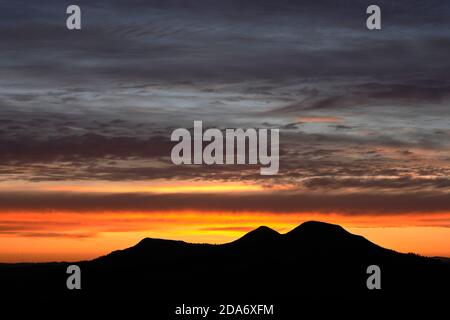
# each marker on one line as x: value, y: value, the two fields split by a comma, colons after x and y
x: 353, y: 231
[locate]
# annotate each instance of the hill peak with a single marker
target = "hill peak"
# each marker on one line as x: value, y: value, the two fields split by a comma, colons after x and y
x: 261, y: 233
x: 317, y: 227
x: 153, y: 242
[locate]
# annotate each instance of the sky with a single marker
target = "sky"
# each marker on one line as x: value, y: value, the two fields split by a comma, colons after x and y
x: 86, y: 118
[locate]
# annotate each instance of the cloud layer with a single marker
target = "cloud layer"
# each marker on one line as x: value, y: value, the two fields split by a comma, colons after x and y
x: 363, y: 115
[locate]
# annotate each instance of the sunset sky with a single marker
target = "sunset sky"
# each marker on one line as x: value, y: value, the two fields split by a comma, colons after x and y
x: 86, y: 118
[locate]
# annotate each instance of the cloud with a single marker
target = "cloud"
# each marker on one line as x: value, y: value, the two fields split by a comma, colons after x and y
x: 217, y: 41
x: 372, y: 94
x: 396, y: 183
x: 84, y: 147
x: 274, y: 202
x: 49, y: 235
x: 101, y: 103
x: 319, y: 119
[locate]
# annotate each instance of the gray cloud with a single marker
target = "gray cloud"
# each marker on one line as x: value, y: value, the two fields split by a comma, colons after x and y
x: 277, y: 202
x: 373, y: 94
x: 72, y: 103
x: 224, y: 41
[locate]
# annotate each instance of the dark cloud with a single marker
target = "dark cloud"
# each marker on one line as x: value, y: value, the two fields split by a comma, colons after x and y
x: 223, y: 40
x: 276, y: 202
x: 48, y: 234
x: 84, y: 148
x: 395, y: 183
x: 72, y: 103
x: 373, y: 94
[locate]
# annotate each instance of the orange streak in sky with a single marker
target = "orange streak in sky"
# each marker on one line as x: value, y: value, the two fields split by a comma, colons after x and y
x: 44, y: 236
x: 138, y: 187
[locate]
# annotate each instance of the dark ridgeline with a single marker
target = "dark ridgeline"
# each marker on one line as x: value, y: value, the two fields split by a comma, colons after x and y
x: 313, y: 260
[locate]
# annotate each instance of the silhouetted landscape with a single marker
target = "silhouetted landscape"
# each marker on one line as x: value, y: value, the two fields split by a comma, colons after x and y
x: 313, y: 260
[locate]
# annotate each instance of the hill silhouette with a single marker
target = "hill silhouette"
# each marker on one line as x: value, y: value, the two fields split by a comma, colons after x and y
x: 313, y: 260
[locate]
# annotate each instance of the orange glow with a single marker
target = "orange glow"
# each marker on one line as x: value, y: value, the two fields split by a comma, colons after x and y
x: 136, y: 187
x: 73, y: 236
